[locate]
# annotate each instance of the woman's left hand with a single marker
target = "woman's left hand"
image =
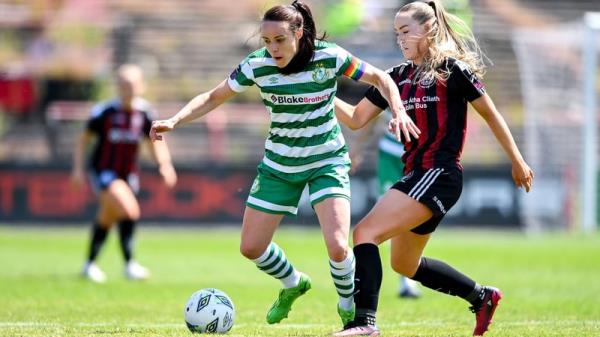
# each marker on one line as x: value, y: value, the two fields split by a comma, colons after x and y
x: 522, y: 175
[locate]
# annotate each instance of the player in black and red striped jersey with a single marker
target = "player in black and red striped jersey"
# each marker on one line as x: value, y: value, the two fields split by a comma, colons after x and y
x: 119, y: 126
x: 441, y: 76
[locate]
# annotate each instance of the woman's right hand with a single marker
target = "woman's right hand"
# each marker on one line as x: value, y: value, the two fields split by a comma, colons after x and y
x: 403, y: 127
x: 160, y: 126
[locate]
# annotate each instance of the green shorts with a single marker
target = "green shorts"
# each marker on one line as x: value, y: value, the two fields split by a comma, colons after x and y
x: 279, y: 193
x: 389, y: 170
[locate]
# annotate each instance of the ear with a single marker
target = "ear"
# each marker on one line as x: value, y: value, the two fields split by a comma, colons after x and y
x: 299, y: 33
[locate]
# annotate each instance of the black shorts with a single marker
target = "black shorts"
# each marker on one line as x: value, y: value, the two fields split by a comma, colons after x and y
x: 437, y: 188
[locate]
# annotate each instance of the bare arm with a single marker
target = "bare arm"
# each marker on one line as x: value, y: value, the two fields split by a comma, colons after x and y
x: 521, y: 173
x: 401, y: 123
x: 355, y: 117
x: 196, y: 108
x: 160, y: 153
x: 77, y: 170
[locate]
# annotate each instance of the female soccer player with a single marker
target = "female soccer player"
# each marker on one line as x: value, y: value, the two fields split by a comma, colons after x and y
x: 296, y: 74
x: 389, y: 171
x: 118, y: 126
x: 441, y: 75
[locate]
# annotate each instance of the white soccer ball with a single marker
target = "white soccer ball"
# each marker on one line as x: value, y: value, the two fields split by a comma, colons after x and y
x: 208, y: 311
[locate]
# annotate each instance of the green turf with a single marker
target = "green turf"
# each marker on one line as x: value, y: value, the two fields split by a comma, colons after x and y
x: 551, y: 285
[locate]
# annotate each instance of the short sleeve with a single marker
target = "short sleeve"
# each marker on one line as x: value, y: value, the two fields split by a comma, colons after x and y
x: 94, y: 124
x: 149, y: 116
x: 349, y: 65
x: 148, y: 113
x: 375, y: 96
x: 467, y: 82
x: 241, y: 78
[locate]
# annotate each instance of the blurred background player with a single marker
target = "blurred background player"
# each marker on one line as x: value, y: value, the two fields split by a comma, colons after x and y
x: 118, y: 125
x: 296, y: 74
x: 442, y: 73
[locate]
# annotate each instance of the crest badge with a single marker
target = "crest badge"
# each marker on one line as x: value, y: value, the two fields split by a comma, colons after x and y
x: 320, y: 74
x: 427, y: 81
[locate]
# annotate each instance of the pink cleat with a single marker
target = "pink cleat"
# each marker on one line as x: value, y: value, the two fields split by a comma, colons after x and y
x: 484, y: 314
x: 363, y: 330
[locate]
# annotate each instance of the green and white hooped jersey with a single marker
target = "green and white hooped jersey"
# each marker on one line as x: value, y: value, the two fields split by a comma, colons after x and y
x: 304, y: 132
x: 388, y: 142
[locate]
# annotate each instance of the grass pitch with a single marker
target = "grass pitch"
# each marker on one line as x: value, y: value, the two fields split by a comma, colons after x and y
x: 551, y: 285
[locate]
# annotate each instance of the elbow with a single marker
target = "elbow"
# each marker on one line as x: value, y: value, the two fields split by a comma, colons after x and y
x: 354, y: 126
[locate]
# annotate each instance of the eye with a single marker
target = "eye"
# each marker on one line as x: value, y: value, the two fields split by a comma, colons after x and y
x: 280, y: 40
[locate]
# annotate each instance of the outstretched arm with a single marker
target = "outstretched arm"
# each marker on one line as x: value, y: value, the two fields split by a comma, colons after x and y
x: 521, y: 172
x: 196, y: 108
x: 77, y: 174
x: 401, y: 123
x: 355, y: 117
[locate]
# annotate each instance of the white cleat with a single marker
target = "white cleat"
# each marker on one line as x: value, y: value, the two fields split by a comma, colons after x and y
x: 135, y: 271
x: 409, y: 289
x: 93, y: 273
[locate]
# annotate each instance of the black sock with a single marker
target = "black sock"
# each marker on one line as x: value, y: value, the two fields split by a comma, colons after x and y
x: 98, y: 237
x: 367, y: 282
x: 126, y: 229
x: 437, y: 275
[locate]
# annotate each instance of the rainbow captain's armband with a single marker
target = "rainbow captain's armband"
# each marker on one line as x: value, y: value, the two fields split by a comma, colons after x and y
x: 355, y: 69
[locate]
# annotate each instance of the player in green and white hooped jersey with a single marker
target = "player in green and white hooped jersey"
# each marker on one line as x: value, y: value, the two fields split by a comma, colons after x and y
x: 296, y: 74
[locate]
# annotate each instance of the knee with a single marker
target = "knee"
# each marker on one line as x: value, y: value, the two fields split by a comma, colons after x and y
x: 363, y: 234
x: 131, y: 210
x: 250, y: 251
x: 105, y: 219
x: 133, y: 213
x: 104, y: 222
x: 337, y: 250
x: 404, y: 267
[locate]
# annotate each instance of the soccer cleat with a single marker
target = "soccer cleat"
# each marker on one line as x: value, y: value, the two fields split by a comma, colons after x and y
x: 408, y: 289
x: 483, y: 315
x: 93, y: 273
x: 346, y: 315
x: 136, y: 272
x: 362, y: 330
x: 282, y: 306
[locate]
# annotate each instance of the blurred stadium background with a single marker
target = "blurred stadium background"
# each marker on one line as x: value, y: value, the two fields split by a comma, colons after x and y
x: 57, y: 58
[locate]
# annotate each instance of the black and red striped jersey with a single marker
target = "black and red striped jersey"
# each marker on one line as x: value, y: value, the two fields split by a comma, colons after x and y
x: 119, y: 133
x: 438, y: 108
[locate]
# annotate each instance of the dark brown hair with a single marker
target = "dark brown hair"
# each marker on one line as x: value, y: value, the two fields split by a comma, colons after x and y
x: 299, y: 16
